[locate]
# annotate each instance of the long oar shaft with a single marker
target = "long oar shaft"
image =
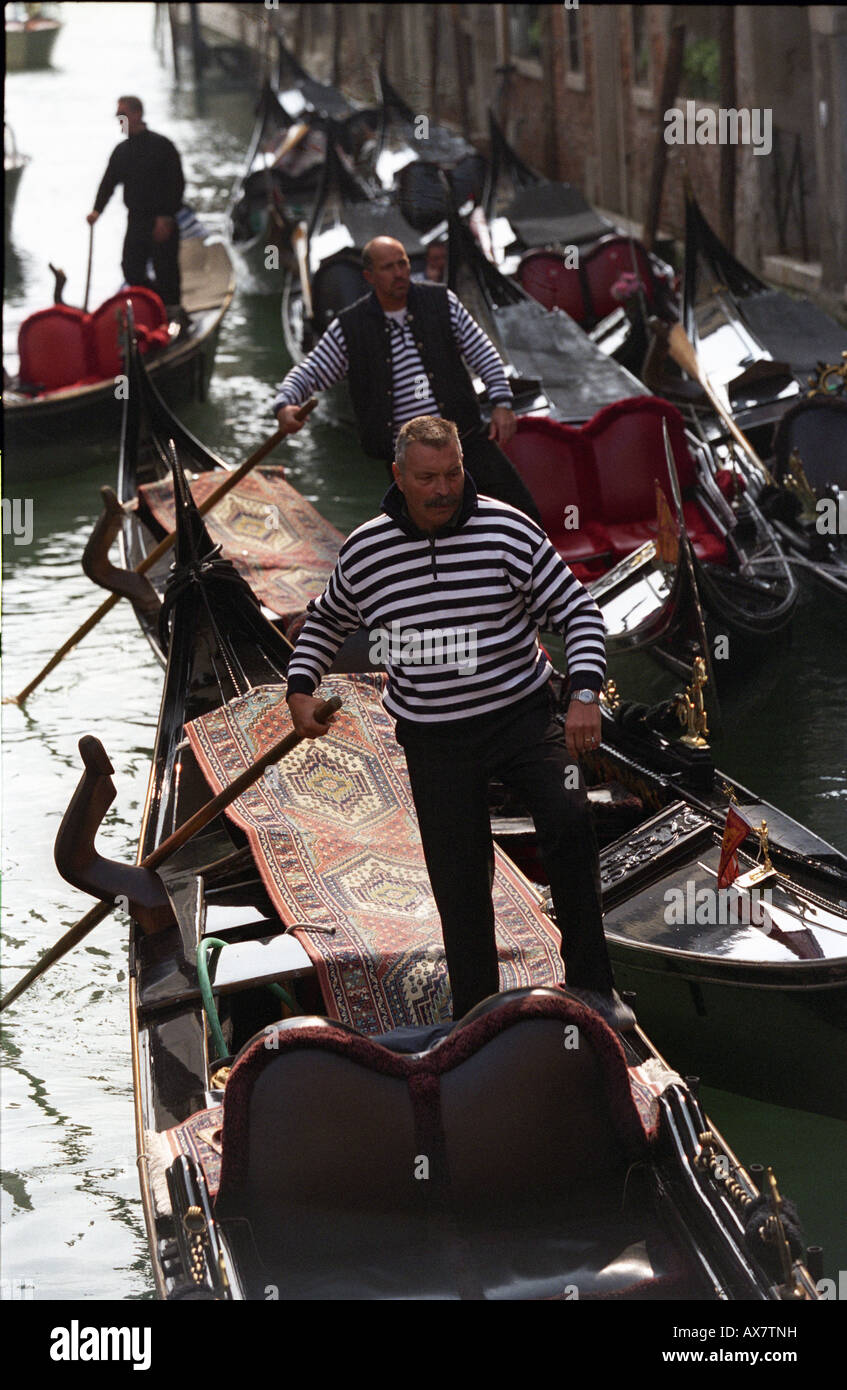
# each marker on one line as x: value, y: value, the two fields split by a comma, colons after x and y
x: 88, y: 271
x: 231, y: 480
x: 201, y: 818
x: 682, y: 351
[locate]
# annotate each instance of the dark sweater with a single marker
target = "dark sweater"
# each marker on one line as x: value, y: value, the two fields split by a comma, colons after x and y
x: 149, y: 168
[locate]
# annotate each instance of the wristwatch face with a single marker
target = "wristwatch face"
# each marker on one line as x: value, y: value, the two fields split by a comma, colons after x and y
x: 585, y: 697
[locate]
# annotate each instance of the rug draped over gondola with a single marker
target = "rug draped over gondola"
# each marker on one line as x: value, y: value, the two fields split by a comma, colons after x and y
x: 334, y: 835
x: 276, y: 540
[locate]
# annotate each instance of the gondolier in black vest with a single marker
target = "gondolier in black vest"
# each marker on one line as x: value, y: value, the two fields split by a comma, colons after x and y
x: 471, y: 697
x: 401, y: 348
x: 149, y: 168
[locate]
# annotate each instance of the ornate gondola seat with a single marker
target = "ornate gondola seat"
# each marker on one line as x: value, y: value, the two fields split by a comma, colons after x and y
x: 494, y: 1165
x: 816, y: 427
x: 608, y: 469
x: 63, y: 346
x: 584, y: 291
x: 604, y: 265
x: 629, y: 458
x: 54, y: 346
x: 556, y: 285
x: 151, y: 327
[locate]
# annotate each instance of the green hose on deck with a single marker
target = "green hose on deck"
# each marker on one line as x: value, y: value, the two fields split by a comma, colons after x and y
x: 214, y: 943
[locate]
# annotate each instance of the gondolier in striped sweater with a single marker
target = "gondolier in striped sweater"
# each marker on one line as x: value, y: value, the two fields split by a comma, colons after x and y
x: 401, y: 349
x: 452, y: 587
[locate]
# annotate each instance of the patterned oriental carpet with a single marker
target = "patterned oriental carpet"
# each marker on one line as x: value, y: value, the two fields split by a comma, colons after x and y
x: 276, y: 540
x: 334, y: 835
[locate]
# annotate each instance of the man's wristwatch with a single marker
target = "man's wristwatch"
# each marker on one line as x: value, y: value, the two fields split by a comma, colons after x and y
x: 586, y: 697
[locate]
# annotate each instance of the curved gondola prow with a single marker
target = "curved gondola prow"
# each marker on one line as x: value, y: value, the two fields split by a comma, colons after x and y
x: 702, y: 243
x: 337, y: 184
x: 211, y: 620
x: 267, y: 108
x: 503, y: 160
x: 320, y: 97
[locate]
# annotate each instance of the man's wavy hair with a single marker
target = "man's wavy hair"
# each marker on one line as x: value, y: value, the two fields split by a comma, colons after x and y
x: 426, y: 429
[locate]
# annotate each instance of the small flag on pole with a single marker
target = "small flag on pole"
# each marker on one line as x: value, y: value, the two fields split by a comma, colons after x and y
x: 735, y: 831
x: 667, y: 530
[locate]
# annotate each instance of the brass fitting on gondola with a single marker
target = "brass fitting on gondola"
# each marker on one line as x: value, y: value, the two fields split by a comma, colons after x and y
x: 194, y: 1224
x: 610, y: 696
x: 690, y: 708
x: 713, y: 1161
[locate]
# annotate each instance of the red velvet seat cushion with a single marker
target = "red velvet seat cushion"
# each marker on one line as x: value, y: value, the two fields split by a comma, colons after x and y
x: 608, y: 468
x: 54, y: 347
x: 604, y: 265
x: 150, y: 317
x: 555, y: 463
x: 624, y: 537
x: 545, y: 276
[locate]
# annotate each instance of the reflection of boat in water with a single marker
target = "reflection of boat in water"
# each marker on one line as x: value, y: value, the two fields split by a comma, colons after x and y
x: 579, y: 1164
x: 69, y: 360
x: 30, y: 37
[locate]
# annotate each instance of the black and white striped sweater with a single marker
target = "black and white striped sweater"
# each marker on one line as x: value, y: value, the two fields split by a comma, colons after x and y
x: 454, y: 616
x: 327, y: 364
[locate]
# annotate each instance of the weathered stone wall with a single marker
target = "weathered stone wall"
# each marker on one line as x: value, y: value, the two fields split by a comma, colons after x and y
x: 598, y: 128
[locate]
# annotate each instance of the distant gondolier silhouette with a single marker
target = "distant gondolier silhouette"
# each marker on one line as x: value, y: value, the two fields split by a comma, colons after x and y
x: 401, y: 348
x: 149, y: 167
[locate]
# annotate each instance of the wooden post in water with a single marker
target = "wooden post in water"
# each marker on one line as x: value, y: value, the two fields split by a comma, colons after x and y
x: 670, y: 86
x: 726, y: 39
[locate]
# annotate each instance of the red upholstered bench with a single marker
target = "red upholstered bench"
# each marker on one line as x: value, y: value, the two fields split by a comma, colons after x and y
x: 546, y: 276
x: 54, y: 346
x: 556, y: 463
x: 604, y: 265
x: 63, y: 346
x: 151, y: 326
x: 627, y: 447
x: 608, y: 469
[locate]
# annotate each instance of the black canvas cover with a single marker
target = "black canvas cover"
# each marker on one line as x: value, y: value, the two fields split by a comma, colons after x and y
x: 549, y: 213
x: 795, y: 330
x: 549, y: 347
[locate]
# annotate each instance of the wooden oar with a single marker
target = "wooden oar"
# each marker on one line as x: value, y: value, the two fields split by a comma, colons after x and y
x: 682, y: 352
x: 88, y: 272
x: 300, y: 242
x: 156, y: 554
x: 169, y: 846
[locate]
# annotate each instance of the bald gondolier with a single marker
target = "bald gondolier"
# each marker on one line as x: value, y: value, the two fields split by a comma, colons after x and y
x: 401, y: 348
x: 149, y: 167
x: 452, y: 587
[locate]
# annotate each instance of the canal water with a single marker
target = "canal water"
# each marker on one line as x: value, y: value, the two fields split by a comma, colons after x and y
x: 72, y: 1222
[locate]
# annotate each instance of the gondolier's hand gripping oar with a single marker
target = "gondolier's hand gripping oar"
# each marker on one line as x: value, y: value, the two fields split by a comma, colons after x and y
x: 137, y: 887
x: 232, y: 479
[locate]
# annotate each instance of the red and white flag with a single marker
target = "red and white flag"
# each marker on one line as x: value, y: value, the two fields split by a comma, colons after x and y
x: 735, y: 831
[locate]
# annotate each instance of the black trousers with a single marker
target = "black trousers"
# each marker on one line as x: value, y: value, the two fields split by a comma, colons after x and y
x: 139, y: 248
x: 495, y: 475
x: 450, y: 767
